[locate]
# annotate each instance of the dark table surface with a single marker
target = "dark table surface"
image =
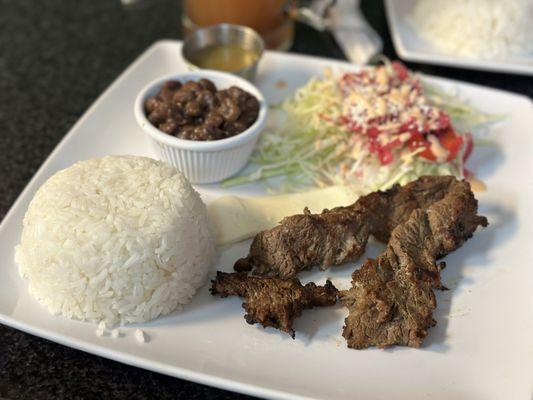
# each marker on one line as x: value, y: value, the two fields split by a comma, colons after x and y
x: 56, y: 57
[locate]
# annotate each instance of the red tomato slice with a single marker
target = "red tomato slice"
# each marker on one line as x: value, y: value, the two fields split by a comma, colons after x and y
x: 448, y: 139
x: 416, y: 141
x: 401, y: 70
x: 451, y: 142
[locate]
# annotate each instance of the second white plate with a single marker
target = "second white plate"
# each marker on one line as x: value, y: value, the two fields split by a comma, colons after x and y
x: 411, y: 47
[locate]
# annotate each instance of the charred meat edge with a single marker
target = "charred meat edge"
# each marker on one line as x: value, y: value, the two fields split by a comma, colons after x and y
x: 273, y: 302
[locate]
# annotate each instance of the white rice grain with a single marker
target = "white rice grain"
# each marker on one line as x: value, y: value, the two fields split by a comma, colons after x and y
x: 140, y: 336
x: 100, y: 330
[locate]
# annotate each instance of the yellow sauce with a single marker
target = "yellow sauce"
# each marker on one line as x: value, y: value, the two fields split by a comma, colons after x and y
x: 224, y: 57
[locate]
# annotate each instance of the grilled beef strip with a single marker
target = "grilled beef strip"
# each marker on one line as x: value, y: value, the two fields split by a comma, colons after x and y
x: 304, y: 240
x: 391, y: 300
x: 272, y: 301
x: 339, y: 235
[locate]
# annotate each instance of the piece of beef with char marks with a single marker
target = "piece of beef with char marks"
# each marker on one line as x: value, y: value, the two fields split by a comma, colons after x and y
x: 339, y: 235
x: 273, y: 302
x: 391, y: 301
x: 305, y: 240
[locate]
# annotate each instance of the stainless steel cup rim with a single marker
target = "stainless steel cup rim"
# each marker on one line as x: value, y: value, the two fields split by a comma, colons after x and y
x: 224, y: 34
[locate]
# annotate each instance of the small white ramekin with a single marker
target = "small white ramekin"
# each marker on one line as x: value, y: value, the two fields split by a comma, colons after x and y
x: 203, y: 161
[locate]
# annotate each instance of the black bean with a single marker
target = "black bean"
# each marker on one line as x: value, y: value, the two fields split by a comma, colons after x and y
x: 247, y: 119
x: 235, y: 92
x: 182, y: 96
x: 171, y: 85
x: 208, y: 85
x: 151, y: 104
x: 159, y: 114
x: 219, y: 134
x: 191, y: 86
x: 167, y: 91
x: 229, y: 127
x: 207, y: 99
x: 193, y: 109
x: 251, y: 104
x: 200, y: 133
x: 176, y: 113
x: 186, y: 132
x: 213, y: 119
x: 169, y: 126
x: 240, y: 126
x: 229, y: 109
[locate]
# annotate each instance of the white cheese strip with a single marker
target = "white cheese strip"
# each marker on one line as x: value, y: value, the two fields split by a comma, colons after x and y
x: 237, y: 218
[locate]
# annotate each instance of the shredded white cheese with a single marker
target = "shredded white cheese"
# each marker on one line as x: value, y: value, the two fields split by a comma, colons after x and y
x: 380, y: 99
x: 115, y: 333
x: 486, y: 29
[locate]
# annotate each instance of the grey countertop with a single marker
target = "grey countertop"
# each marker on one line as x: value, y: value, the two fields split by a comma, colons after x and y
x: 56, y: 57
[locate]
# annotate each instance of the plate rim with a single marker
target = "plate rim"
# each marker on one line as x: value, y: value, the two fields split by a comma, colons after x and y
x: 233, y: 385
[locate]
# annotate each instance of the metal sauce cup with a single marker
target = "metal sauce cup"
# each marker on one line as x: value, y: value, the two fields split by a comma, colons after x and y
x: 223, y: 34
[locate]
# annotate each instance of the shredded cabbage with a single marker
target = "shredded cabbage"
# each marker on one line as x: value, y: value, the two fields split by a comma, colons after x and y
x: 308, y: 147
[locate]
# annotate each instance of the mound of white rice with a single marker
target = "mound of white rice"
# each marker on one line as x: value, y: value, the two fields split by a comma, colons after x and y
x: 486, y: 29
x: 116, y: 239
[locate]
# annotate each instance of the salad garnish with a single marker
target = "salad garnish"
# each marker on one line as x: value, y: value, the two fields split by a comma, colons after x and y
x: 369, y: 129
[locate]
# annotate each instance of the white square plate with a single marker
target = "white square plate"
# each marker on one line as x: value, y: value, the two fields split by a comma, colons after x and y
x: 482, y: 347
x: 411, y: 47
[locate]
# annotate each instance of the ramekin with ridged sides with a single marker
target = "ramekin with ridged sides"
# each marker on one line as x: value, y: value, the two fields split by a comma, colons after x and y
x: 203, y: 161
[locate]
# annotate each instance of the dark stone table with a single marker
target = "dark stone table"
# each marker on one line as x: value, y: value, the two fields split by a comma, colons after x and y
x: 56, y: 57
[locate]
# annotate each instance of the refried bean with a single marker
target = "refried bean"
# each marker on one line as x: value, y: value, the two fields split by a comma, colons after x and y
x: 198, y: 111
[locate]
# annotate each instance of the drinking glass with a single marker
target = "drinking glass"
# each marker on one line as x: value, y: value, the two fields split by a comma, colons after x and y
x: 270, y: 18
